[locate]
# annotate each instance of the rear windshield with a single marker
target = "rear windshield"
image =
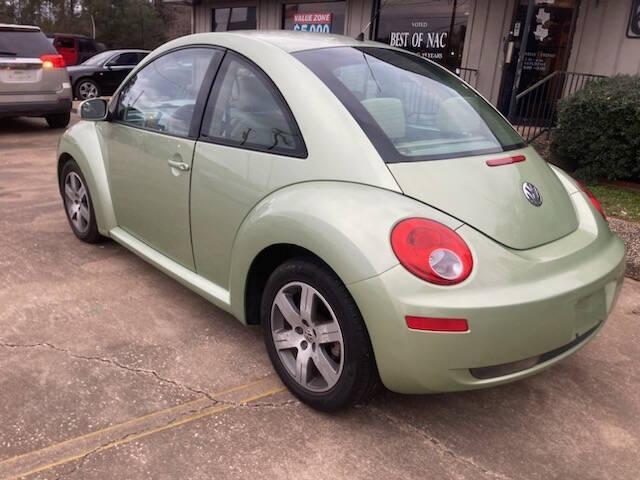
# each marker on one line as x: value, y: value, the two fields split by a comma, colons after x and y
x: 25, y: 43
x: 411, y: 109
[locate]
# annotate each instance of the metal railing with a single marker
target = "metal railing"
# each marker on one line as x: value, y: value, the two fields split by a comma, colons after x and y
x: 469, y: 75
x: 536, y: 107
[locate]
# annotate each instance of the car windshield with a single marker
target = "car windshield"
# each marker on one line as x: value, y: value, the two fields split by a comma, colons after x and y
x: 410, y: 108
x: 99, y: 58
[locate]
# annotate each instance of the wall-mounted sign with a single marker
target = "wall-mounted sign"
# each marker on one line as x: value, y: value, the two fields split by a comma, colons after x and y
x: 313, y: 22
x: 634, y: 20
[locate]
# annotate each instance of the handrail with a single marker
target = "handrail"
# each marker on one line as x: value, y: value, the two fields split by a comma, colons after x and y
x: 538, y: 83
x: 536, y: 107
x: 469, y: 75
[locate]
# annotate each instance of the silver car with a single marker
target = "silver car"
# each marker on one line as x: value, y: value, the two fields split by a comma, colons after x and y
x: 33, y: 77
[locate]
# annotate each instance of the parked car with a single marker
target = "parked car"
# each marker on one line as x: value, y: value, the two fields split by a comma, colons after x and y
x: 33, y: 78
x: 102, y: 74
x: 75, y: 48
x: 367, y: 207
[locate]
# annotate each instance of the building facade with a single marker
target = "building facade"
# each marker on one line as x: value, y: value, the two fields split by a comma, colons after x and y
x: 482, y: 40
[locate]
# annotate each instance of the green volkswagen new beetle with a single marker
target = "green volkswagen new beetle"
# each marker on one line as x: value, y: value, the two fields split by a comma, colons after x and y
x: 375, y: 215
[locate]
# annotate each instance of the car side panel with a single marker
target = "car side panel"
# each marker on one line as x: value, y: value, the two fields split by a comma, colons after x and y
x: 347, y: 225
x: 84, y: 143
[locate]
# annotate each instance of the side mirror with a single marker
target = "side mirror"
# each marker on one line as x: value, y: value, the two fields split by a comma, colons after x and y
x: 94, y: 109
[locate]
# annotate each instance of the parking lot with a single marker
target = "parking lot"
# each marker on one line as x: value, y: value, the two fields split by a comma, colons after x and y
x: 110, y: 369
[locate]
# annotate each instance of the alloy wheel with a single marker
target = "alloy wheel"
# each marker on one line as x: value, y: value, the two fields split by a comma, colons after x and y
x: 307, y: 336
x: 87, y: 90
x: 76, y: 202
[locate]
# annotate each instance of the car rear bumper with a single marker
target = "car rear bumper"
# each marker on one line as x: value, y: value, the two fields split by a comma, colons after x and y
x: 526, y: 310
x: 35, y: 109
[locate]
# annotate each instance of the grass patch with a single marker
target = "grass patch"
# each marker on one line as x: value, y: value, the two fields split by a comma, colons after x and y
x: 618, y: 202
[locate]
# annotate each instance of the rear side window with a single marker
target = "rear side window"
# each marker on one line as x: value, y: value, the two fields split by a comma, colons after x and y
x: 246, y: 110
x: 62, y: 42
x: 125, y: 59
x: 162, y: 95
x: 411, y: 109
x: 86, y: 45
x: 24, y: 43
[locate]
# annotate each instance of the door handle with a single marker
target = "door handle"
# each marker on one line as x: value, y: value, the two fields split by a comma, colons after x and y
x: 183, y: 167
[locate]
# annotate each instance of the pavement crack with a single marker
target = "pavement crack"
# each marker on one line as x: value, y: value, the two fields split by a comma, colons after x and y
x: 145, y: 371
x: 438, y: 444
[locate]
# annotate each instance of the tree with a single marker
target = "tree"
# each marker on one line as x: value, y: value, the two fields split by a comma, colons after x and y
x: 119, y: 23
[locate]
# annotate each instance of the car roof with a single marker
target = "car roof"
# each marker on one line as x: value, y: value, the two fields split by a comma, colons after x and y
x: 292, y: 41
x: 14, y: 27
x: 70, y: 35
x: 125, y: 50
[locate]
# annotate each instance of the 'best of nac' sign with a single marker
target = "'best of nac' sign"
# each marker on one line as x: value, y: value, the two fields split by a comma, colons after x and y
x: 312, y: 22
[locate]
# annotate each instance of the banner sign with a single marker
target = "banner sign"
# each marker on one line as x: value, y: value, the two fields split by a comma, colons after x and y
x: 634, y: 20
x: 313, y: 22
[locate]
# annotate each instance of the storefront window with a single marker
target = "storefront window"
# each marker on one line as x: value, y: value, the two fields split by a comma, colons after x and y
x: 235, y: 18
x: 323, y: 17
x: 434, y: 29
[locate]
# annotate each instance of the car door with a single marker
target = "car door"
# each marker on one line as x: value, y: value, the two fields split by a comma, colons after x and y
x: 116, y: 70
x: 150, y: 143
x: 249, y: 146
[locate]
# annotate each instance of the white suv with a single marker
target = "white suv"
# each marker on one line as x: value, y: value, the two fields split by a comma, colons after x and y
x: 33, y: 79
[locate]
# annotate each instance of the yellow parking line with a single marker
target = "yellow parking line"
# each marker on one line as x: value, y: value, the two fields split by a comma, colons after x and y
x: 205, y: 413
x: 132, y: 421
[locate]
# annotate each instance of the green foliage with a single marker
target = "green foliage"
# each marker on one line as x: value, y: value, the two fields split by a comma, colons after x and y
x: 119, y: 23
x: 618, y: 201
x: 598, y: 131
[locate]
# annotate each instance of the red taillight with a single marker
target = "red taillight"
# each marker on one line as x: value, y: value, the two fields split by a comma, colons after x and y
x: 52, y: 61
x: 431, y: 251
x: 592, y: 198
x: 437, y: 324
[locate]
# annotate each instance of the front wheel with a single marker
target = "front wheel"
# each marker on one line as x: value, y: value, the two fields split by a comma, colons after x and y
x: 58, y: 120
x: 316, y: 338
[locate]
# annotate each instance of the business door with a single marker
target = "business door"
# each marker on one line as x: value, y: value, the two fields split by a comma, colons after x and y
x: 544, y: 31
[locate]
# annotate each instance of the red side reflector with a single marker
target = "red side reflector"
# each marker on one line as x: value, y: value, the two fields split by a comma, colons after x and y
x: 506, y: 161
x: 437, y: 324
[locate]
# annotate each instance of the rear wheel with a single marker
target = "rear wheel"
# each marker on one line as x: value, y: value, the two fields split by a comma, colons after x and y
x: 77, y: 204
x: 315, y: 336
x: 59, y: 120
x: 86, y: 89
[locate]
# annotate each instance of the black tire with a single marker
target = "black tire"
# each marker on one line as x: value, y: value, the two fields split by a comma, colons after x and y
x: 77, y: 87
x: 90, y: 234
x: 58, y: 120
x: 359, y: 378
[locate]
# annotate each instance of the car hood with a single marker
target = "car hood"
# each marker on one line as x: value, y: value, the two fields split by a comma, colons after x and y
x: 492, y: 199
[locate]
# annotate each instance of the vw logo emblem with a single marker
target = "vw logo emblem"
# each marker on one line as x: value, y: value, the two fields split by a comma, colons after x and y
x: 532, y: 194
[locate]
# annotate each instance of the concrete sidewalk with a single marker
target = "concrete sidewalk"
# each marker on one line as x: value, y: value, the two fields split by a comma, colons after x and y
x: 110, y: 369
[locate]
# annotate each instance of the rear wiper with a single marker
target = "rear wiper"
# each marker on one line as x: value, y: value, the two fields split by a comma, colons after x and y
x: 8, y: 54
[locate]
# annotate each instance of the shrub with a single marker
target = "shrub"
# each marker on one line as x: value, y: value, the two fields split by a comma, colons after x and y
x: 598, y: 132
